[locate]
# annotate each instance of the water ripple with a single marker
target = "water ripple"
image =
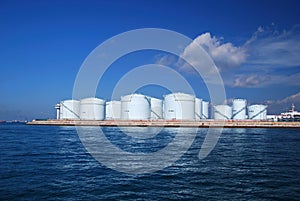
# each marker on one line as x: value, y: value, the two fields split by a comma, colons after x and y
x: 50, y: 163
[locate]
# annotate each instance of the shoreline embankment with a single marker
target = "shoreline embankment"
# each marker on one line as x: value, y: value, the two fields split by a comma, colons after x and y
x: 169, y: 123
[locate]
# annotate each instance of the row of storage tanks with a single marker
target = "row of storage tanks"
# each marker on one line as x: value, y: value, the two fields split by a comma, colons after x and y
x: 135, y: 107
x: 240, y: 111
x: 175, y: 106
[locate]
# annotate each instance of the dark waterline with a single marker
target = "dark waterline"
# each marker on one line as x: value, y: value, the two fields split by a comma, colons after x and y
x: 50, y: 163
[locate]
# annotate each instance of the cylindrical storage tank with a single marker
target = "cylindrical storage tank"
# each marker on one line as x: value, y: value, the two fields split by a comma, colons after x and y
x: 57, y: 107
x: 257, y: 112
x: 179, y: 106
x: 92, y: 109
x: 69, y: 109
x: 156, y: 108
x: 198, y: 108
x: 239, y: 109
x: 223, y: 112
x: 135, y: 107
x: 113, y: 110
x: 204, y: 114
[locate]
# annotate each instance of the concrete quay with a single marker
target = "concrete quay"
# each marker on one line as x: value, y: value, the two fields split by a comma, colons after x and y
x: 172, y: 123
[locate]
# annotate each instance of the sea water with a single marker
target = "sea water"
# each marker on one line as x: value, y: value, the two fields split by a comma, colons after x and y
x: 50, y: 163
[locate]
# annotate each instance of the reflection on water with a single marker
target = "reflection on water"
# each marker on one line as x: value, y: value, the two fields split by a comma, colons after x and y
x: 123, y: 152
x: 141, y: 132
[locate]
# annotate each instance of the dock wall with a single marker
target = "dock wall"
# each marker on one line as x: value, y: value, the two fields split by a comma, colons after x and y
x: 175, y: 123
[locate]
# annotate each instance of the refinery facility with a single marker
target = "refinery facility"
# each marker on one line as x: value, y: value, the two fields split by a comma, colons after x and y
x: 174, y: 106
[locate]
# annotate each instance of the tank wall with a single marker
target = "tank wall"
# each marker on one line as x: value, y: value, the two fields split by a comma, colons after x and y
x: 198, y: 108
x: 257, y: 112
x: 169, y: 109
x: 222, y: 112
x: 179, y: 106
x: 135, y: 107
x: 113, y: 110
x: 156, y: 108
x: 69, y: 109
x: 204, y: 114
x: 57, y: 114
x: 239, y: 109
x: 92, y: 109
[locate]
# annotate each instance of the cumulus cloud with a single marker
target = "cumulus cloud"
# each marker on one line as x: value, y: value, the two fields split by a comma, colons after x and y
x: 225, y: 55
x: 268, y: 57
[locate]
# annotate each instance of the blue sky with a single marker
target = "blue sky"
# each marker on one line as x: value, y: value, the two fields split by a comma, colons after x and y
x: 255, y: 44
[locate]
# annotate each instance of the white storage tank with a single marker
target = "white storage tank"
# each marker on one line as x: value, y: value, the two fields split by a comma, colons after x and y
x: 113, y: 110
x: 198, y: 108
x: 156, y: 108
x: 239, y: 109
x: 57, y: 107
x: 92, y: 109
x: 135, y: 107
x: 223, y: 112
x: 257, y: 112
x: 179, y: 106
x: 205, y: 106
x: 69, y: 109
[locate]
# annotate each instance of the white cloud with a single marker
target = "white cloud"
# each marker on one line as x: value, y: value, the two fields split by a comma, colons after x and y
x: 166, y: 60
x: 278, y: 106
x: 263, y: 80
x: 292, y: 98
x: 272, y: 59
x: 225, y: 55
x: 268, y: 57
x: 253, y: 80
x: 273, y: 49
